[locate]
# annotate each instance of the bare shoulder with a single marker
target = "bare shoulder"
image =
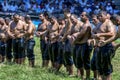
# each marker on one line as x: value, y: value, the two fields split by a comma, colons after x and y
x: 87, y: 25
x: 22, y: 22
x: 48, y: 23
x: 33, y: 25
x: 110, y: 25
x: 80, y: 23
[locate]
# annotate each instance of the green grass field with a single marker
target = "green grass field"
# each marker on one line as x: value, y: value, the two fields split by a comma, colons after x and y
x: 24, y: 72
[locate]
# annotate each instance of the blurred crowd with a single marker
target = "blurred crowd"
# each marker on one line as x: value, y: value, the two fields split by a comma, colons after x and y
x: 57, y: 6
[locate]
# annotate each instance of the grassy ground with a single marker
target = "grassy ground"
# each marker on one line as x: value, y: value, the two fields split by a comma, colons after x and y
x: 24, y: 72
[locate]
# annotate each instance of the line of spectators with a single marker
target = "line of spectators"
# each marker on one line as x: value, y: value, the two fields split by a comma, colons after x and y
x: 56, y: 6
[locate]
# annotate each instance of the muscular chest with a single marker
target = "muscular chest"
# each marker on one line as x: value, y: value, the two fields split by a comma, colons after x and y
x: 53, y: 28
x: 16, y: 26
x: 42, y: 27
x: 75, y: 29
x: 102, y: 28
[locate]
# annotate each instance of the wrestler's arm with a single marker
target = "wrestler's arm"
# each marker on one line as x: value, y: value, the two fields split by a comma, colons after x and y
x: 111, y: 32
x: 10, y: 33
x: 65, y: 35
x: 68, y: 30
x: 39, y: 33
x: 92, y: 40
x: 60, y: 34
x: 42, y: 33
x: 81, y: 32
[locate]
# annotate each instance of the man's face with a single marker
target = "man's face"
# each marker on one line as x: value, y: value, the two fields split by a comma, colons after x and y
x: 102, y: 17
x: 52, y: 20
x: 1, y: 21
x: 63, y: 21
x: 41, y: 17
x: 16, y: 18
x: 73, y: 20
x: 83, y: 16
x: 60, y: 21
x: 94, y: 19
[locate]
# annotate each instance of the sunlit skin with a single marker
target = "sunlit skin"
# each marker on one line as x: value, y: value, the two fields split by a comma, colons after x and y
x: 41, y: 32
x: 104, y: 35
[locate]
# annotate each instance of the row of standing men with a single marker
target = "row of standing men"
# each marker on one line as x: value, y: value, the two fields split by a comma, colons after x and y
x: 65, y: 41
x: 70, y: 41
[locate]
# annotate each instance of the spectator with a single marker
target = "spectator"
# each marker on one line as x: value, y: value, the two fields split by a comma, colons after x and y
x: 27, y: 5
x: 109, y: 8
x: 87, y: 9
x: 50, y: 9
x: 38, y: 10
x: 60, y: 4
x: 5, y: 6
x: 93, y: 7
x: 38, y: 1
x: 97, y: 10
x: 82, y: 2
x: 113, y: 4
x: 13, y: 7
x: 67, y: 3
x: 22, y: 7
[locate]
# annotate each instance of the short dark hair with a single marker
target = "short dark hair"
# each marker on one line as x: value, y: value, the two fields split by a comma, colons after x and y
x: 28, y: 17
x: 103, y: 12
x: 14, y: 15
x: 46, y: 13
x: 7, y: 19
x: 51, y: 16
x: 66, y: 11
x: 94, y: 15
x: 87, y: 14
